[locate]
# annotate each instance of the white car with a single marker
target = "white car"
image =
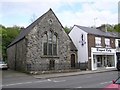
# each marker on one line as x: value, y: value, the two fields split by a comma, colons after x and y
x: 3, y: 65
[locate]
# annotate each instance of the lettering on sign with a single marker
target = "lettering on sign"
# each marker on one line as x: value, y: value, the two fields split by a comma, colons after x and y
x: 104, y: 50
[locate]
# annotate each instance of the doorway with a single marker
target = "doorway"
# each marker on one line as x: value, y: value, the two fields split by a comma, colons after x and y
x: 99, y: 61
x: 72, y: 60
x: 52, y: 65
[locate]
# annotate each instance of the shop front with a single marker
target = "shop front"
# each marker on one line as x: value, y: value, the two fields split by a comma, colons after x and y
x: 118, y: 55
x: 103, y: 58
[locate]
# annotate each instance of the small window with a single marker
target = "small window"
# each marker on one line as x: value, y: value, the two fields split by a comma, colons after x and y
x: 98, y: 41
x: 107, y: 42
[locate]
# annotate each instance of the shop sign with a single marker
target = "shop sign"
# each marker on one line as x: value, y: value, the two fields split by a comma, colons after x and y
x: 104, y: 50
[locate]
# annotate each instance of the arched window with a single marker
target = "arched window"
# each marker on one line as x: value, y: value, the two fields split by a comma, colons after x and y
x: 45, y: 39
x: 50, y: 43
x: 54, y: 45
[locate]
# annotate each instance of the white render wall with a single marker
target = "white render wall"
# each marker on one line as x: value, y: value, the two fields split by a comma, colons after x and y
x: 116, y: 43
x: 75, y: 35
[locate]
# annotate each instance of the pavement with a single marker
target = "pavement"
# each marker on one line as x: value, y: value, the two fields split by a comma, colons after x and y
x: 56, y: 75
x: 11, y: 73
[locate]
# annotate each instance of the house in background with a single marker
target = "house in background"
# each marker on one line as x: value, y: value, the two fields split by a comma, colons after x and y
x: 96, y: 47
x: 42, y: 46
x: 117, y: 45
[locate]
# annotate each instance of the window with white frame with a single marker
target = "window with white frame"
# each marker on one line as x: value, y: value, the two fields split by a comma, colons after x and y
x: 98, y: 41
x: 107, y: 42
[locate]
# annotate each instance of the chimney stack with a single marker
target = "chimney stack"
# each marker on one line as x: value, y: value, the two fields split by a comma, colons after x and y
x: 103, y: 28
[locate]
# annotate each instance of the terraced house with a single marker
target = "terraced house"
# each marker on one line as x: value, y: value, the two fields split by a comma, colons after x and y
x: 42, y: 46
x: 96, y: 47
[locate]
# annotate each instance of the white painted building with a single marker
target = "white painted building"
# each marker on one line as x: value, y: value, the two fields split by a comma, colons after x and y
x: 95, y: 47
x: 117, y: 45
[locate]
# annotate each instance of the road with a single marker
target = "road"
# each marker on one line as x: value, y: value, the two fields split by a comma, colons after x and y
x: 97, y: 80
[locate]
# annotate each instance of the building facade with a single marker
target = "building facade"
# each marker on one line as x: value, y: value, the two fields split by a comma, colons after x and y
x: 42, y: 46
x: 117, y: 45
x: 96, y: 47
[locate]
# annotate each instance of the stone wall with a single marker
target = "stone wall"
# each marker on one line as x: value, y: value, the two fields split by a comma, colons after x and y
x: 17, y: 56
x: 11, y: 56
x: 27, y: 54
x: 35, y: 58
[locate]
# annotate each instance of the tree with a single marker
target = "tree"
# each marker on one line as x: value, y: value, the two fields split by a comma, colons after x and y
x: 7, y: 35
x: 33, y: 18
x: 111, y: 28
x: 117, y: 27
x: 67, y: 29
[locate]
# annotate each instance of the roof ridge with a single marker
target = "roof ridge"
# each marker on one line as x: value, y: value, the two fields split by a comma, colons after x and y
x: 95, y: 31
x: 25, y: 31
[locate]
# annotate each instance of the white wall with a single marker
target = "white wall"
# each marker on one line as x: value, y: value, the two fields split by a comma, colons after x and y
x: 116, y: 43
x: 75, y: 35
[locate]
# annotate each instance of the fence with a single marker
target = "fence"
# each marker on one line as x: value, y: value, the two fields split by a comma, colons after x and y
x: 56, y: 66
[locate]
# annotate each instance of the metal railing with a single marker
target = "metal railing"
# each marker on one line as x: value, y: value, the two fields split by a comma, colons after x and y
x: 56, y: 66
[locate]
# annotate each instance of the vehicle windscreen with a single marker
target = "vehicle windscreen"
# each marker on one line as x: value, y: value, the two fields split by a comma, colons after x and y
x: 117, y: 81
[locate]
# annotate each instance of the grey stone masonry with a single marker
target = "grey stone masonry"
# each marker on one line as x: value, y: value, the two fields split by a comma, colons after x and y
x: 28, y: 53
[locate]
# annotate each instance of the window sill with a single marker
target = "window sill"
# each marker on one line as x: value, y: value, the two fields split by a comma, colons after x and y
x: 47, y: 56
x: 107, y: 47
x: 98, y: 46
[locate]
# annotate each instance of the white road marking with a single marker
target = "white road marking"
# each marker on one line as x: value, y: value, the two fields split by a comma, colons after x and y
x: 78, y: 87
x: 49, y: 79
x: 40, y: 81
x: 106, y: 82
x: 15, y: 84
x: 24, y: 83
x: 59, y: 81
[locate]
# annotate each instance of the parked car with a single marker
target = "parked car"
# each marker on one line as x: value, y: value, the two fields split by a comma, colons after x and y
x: 3, y: 65
x: 118, y: 65
x: 114, y: 86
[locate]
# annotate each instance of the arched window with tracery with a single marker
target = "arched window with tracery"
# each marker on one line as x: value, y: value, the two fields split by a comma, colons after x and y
x: 54, y: 44
x: 49, y: 43
x: 45, y: 40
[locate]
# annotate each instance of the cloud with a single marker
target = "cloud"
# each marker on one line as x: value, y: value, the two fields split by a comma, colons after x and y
x: 105, y: 12
x: 69, y: 12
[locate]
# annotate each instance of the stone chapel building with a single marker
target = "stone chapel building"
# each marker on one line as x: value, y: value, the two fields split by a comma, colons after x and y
x: 42, y: 46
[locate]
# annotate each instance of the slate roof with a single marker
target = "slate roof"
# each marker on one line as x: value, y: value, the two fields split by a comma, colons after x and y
x: 72, y: 45
x: 25, y: 31
x: 98, y: 32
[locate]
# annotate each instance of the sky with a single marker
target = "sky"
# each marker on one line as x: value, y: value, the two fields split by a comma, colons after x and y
x: 69, y: 12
